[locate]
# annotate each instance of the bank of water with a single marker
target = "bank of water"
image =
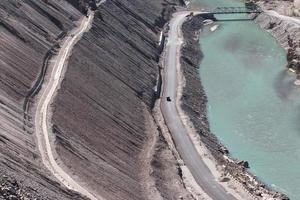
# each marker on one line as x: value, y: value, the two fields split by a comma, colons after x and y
x: 253, y: 106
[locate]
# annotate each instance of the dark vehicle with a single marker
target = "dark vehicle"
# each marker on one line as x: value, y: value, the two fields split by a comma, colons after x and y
x: 168, y: 99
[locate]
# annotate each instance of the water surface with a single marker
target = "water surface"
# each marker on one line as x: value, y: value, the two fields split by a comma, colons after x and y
x: 253, y: 106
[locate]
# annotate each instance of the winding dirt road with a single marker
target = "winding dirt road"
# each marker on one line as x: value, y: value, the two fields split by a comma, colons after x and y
x: 42, y: 126
x: 184, y: 145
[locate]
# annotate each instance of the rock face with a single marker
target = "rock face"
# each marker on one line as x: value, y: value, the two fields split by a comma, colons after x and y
x: 28, y: 29
x: 100, y: 113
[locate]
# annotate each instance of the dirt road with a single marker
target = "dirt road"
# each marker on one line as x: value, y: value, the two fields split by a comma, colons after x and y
x: 42, y: 126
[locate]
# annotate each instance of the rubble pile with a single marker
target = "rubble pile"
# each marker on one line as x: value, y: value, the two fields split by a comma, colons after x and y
x: 11, y: 189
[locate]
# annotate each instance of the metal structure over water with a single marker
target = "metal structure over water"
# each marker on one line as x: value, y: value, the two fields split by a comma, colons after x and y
x: 235, y: 10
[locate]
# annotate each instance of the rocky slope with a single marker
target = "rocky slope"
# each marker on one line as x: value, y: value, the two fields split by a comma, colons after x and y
x: 287, y: 33
x: 293, y: 56
x: 284, y: 7
x: 104, y: 131
x: 28, y: 31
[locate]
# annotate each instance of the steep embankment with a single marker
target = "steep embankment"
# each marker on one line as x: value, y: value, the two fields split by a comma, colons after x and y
x: 28, y: 31
x: 283, y: 7
x: 101, y: 115
x: 287, y: 32
x: 285, y: 29
x: 281, y: 29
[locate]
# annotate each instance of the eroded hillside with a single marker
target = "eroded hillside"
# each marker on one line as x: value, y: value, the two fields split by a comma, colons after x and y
x: 105, y: 133
x: 28, y: 30
x: 101, y: 116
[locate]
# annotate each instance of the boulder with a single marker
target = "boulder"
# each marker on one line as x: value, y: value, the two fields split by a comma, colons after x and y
x: 243, y: 163
x: 224, y: 179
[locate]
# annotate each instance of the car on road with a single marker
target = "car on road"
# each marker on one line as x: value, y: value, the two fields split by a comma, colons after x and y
x: 168, y: 99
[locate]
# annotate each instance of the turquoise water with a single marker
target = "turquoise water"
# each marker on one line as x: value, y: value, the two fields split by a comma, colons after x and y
x: 253, y: 106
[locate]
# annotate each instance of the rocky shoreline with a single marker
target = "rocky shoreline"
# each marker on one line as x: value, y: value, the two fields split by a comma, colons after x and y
x: 194, y: 103
x: 287, y: 34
